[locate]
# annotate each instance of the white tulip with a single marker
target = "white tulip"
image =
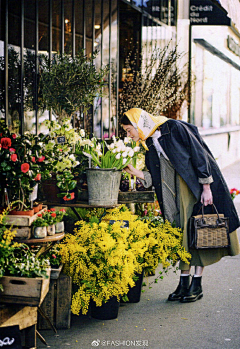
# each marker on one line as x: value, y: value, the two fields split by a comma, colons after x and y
x: 136, y: 149
x: 131, y: 153
x: 82, y: 133
x: 124, y: 161
x: 114, y: 151
x: 126, y: 140
x: 124, y: 154
x: 118, y: 156
x: 111, y: 146
x: 98, y: 147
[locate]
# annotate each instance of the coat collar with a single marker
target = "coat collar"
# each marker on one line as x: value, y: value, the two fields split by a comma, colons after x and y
x: 164, y: 128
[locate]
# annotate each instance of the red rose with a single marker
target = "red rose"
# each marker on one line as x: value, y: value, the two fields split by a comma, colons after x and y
x: 25, y: 167
x: 14, y: 157
x: 53, y: 256
x: 41, y: 159
x: 38, y: 177
x: 72, y: 197
x: 62, y: 210
x: 12, y: 150
x: 6, y: 143
x: 53, y: 215
x: 14, y: 136
x: 39, y: 215
x: 52, y: 209
x: 33, y: 159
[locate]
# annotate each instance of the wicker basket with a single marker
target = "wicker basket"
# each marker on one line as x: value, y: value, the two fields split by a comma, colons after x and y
x: 209, y: 231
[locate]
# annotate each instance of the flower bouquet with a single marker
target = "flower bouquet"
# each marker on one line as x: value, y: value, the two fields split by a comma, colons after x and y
x: 234, y: 192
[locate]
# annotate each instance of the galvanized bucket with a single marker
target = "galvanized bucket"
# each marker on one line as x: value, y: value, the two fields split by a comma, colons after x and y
x: 103, y: 186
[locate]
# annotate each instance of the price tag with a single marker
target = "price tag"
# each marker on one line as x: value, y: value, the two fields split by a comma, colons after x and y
x: 61, y: 139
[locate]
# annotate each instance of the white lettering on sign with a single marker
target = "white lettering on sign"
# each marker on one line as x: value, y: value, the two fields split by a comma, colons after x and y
x: 201, y: 8
x: 6, y: 341
x: 199, y: 20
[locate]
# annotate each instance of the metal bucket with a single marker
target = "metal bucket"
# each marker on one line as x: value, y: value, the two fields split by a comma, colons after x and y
x: 103, y: 186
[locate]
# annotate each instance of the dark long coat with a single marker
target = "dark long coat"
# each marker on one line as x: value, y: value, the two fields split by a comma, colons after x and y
x: 192, y: 160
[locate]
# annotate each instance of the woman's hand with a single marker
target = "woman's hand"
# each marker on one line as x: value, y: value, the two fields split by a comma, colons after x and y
x: 206, y: 197
x: 133, y: 171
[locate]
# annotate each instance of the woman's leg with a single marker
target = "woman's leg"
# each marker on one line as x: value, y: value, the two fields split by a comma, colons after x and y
x: 183, y: 286
x: 195, y: 290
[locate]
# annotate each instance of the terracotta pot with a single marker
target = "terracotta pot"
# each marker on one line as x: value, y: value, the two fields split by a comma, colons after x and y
x: 36, y: 208
x: 22, y: 213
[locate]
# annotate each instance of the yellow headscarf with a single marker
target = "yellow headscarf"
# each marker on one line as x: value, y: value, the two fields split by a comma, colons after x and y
x: 145, y: 123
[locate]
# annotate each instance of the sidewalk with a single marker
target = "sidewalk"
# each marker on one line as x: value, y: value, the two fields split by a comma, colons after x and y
x: 210, y: 323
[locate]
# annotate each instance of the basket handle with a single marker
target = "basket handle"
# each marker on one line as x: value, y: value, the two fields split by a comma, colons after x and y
x: 219, y: 220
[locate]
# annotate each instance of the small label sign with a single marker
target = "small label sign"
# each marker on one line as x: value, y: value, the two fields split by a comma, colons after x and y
x: 124, y: 225
x: 61, y: 139
x: 10, y: 337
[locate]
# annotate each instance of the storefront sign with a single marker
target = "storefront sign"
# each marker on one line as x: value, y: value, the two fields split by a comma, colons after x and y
x: 233, y: 46
x: 205, y: 12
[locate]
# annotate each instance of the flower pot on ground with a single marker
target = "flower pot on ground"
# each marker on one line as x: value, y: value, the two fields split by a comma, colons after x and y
x: 107, y: 311
x: 134, y: 293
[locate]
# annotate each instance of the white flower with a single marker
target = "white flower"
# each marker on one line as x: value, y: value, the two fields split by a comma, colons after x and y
x: 118, y: 156
x: 114, y: 151
x: 52, y: 134
x: 124, y: 161
x: 136, y: 149
x: 82, y: 133
x: 111, y: 146
x: 98, y: 147
x: 124, y: 154
x: 126, y: 140
x: 99, y: 153
x: 57, y: 127
x: 131, y: 153
x: 72, y: 157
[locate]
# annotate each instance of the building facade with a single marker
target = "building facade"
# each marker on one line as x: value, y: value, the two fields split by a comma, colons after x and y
x: 207, y: 30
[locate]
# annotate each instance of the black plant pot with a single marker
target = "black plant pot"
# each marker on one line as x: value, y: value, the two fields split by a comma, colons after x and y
x: 107, y: 311
x: 134, y: 293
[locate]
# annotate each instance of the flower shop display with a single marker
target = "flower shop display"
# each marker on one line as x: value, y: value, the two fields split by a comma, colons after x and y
x: 59, y: 162
x: 107, y: 162
x: 104, y: 258
x: 19, y: 169
x: 20, y: 266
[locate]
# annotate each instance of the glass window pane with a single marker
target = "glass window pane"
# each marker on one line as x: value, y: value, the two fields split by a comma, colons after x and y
x: 43, y: 8
x: 89, y: 27
x: 114, y: 56
x: 105, y: 60
x: 56, y: 26
x: 79, y: 24
x: 68, y: 26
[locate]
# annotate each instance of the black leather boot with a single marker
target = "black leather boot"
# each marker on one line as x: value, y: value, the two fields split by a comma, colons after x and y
x: 181, y: 290
x: 194, y: 292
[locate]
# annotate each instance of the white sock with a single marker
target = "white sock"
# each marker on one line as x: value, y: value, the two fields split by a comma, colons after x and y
x: 197, y: 276
x: 184, y: 274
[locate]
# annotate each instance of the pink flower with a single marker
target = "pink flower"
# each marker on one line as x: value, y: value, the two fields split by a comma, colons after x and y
x: 33, y: 159
x: 38, y: 177
x: 12, y: 150
x: 25, y: 167
x: 14, y: 136
x: 41, y: 159
x: 62, y: 210
x: 14, y: 157
x: 72, y: 197
x: 6, y: 143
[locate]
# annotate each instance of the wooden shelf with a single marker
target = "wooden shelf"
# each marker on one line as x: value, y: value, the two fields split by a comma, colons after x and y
x: 55, y: 237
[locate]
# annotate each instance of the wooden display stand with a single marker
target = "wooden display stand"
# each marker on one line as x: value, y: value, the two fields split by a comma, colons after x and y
x: 57, y: 304
x: 24, y: 317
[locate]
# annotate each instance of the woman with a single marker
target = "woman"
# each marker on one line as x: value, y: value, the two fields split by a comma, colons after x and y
x: 185, y: 175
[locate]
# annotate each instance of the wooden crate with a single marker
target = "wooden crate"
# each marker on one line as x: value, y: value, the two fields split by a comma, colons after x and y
x: 23, y: 221
x: 23, y: 290
x: 57, y: 304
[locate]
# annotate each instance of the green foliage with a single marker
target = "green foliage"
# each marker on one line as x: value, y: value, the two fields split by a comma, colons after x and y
x: 69, y: 84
